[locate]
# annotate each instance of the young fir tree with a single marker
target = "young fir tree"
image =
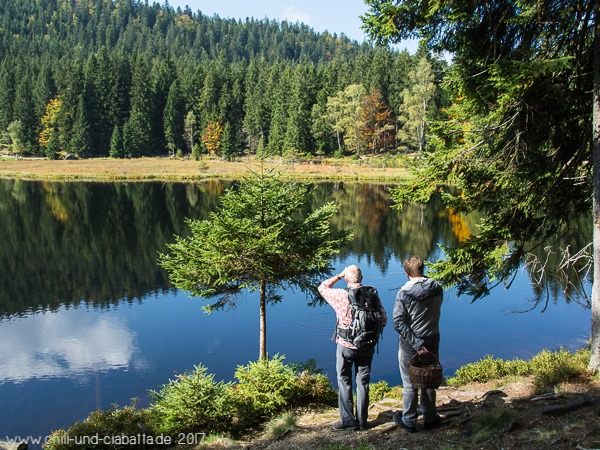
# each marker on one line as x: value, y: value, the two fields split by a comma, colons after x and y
x: 53, y: 146
x: 117, y: 148
x: 256, y: 241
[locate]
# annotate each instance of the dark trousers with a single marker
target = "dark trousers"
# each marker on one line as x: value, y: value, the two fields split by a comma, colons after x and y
x: 361, y: 360
x: 410, y: 394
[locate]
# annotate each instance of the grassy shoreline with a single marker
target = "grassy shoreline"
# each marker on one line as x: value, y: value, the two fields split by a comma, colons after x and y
x: 173, y: 169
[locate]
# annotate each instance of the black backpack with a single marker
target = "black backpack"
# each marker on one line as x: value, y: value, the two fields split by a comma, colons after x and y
x: 367, y: 321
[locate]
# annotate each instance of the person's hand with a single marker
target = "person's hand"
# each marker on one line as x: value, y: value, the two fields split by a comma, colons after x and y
x: 342, y: 274
x: 422, y: 350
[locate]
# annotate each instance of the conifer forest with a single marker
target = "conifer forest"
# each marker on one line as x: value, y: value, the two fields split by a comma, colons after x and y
x: 126, y: 78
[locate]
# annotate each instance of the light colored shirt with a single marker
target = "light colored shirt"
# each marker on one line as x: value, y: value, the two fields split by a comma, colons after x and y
x: 338, y: 299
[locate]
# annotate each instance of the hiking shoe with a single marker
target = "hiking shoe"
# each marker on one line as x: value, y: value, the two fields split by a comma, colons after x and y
x: 434, y: 423
x: 339, y: 426
x: 398, y: 421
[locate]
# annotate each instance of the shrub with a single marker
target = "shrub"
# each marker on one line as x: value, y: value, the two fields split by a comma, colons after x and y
x: 264, y: 388
x: 378, y: 391
x: 194, y: 402
x: 313, y: 388
x: 548, y: 368
x: 553, y: 368
x: 118, y: 424
x: 485, y: 369
x: 517, y: 367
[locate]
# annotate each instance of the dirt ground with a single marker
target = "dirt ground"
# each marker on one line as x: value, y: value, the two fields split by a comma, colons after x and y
x: 531, y: 426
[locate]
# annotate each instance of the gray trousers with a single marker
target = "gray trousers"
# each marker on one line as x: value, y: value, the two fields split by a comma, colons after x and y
x: 410, y: 394
x: 361, y: 360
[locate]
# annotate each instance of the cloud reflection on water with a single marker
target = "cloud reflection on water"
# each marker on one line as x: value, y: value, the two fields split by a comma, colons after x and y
x: 66, y: 343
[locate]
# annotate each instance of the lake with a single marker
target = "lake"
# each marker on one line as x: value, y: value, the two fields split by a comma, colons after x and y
x: 88, y: 319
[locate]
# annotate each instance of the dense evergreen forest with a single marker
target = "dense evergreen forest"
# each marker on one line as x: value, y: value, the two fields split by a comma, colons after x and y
x: 127, y: 78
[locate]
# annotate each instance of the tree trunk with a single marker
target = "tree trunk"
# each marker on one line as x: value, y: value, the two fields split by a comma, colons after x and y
x: 595, y: 356
x: 263, y: 321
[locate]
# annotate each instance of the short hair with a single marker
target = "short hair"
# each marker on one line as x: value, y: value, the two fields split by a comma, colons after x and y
x: 413, y: 266
x: 353, y: 274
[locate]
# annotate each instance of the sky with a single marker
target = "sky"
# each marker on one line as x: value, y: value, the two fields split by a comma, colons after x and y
x: 335, y: 16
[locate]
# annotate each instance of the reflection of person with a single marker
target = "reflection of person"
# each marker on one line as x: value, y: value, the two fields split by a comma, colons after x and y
x: 416, y: 318
x: 348, y: 355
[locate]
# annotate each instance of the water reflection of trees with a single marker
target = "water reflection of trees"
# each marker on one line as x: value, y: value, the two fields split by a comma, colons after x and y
x: 67, y: 243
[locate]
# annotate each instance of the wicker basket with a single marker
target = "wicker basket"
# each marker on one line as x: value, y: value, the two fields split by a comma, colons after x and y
x: 425, y: 371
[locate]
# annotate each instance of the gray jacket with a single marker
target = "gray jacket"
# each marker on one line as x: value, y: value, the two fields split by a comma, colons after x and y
x: 417, y: 312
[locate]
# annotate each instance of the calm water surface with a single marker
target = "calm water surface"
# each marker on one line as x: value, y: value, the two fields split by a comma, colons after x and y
x: 87, y: 319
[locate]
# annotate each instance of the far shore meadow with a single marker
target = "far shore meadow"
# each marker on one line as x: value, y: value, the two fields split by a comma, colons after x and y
x: 182, y: 169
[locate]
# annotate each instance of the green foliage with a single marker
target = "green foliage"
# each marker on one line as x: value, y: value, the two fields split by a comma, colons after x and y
x: 547, y: 368
x: 258, y: 240
x: 262, y: 83
x: 53, y: 146
x: 344, y: 113
x: 512, y: 139
x: 194, y: 402
x: 417, y: 108
x: 313, y: 388
x: 115, y: 423
x: 268, y: 386
x: 16, y: 135
x: 257, y: 235
x: 117, y: 149
x: 196, y: 152
x: 378, y: 390
x: 554, y: 368
x: 487, y: 424
x: 264, y: 387
x: 488, y: 368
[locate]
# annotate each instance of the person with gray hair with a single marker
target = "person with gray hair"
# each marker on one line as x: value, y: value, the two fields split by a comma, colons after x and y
x: 416, y: 318
x: 352, y: 350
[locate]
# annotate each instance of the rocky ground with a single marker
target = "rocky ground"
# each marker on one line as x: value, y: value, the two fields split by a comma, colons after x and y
x: 515, y: 418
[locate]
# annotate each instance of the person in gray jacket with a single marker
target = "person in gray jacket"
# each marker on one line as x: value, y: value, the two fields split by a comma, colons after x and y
x: 416, y: 318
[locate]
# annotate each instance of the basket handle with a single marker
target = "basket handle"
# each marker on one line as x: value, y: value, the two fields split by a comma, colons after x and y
x: 427, y: 352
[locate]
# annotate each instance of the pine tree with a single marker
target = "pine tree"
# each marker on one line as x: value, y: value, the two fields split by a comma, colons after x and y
x: 173, y: 119
x: 81, y: 142
x: 53, y: 145
x: 24, y: 113
x: 139, y: 126
x: 302, y: 96
x: 117, y: 145
x: 7, y: 95
x: 280, y: 115
x: 256, y: 241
